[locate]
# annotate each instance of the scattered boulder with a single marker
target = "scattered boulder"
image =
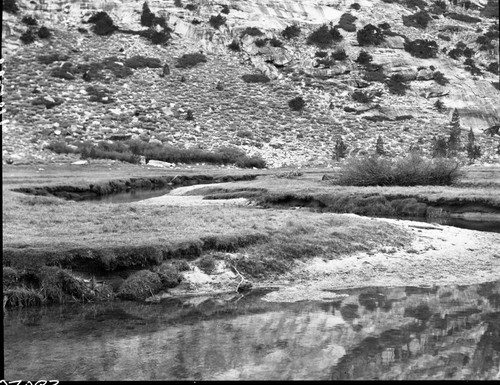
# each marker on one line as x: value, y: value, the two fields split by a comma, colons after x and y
x: 158, y: 163
x: 425, y: 74
x: 48, y: 101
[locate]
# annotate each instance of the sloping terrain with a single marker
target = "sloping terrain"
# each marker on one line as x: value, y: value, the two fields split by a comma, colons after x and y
x: 253, y: 116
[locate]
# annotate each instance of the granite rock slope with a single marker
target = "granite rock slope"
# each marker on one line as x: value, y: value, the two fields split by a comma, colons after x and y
x: 252, y: 116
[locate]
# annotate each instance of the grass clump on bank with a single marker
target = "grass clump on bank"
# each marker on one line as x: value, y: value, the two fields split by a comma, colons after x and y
x: 412, y: 170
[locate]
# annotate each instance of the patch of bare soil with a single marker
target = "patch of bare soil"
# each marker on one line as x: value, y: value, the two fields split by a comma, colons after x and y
x: 438, y: 255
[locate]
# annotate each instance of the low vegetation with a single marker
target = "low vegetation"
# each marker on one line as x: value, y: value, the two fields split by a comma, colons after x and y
x: 463, y: 17
x: 217, y: 21
x: 291, y: 31
x: 103, y: 24
x: 255, y: 78
x: 419, y: 19
x: 251, y: 31
x: 346, y: 22
x: 420, y: 48
x: 370, y: 35
x: 190, y: 60
x: 412, y: 170
x: 297, y: 103
x: 324, y: 36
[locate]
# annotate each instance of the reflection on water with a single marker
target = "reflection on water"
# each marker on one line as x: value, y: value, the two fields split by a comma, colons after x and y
x: 371, y: 333
x: 129, y: 196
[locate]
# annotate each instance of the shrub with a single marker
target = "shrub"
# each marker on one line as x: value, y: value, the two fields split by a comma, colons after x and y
x: 326, y: 62
x: 361, y: 96
x: 195, y: 22
x: 464, y: 18
x: 51, y: 58
x: 10, y: 6
x: 384, y: 26
x: 82, y: 30
x: 370, y: 35
x: 440, y: 79
x: 346, y: 22
x: 323, y: 36
x: 234, y: 46
x: 217, y: 21
x: 416, y: 4
x: 191, y: 7
x: 364, y: 58
x: 356, y: 6
x: 439, y: 147
x: 28, y: 20
x: 473, y: 150
x: 297, y: 103
x: 28, y: 37
x: 291, y: 31
x: 320, y: 54
x: 60, y: 147
x: 102, y: 151
x: 439, y: 105
x: 178, y: 3
x: 379, y: 147
x: 276, y: 42
x: 225, y: 9
x: 44, y: 32
x: 424, y: 49
x: 147, y: 16
x: 65, y: 71
x: 485, y: 43
x: 374, y: 76
x: 255, y: 78
x: 103, y: 24
x: 140, y: 61
x: 159, y: 37
x: 471, y: 67
x: 493, y: 67
x: 260, y: 42
x: 490, y: 10
x: 397, y: 85
x: 189, y: 115
x: 190, y: 60
x: 339, y: 54
x: 412, y: 170
x: 444, y: 37
x: 140, y: 285
x: 251, y: 31
x: 418, y: 20
x: 340, y: 149
x: 206, y: 264
x: 169, y: 274
x: 439, y: 7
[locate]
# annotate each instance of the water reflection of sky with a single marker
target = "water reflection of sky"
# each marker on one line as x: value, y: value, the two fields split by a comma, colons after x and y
x: 371, y: 333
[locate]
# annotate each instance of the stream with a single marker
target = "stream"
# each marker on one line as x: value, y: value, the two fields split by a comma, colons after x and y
x: 386, y: 333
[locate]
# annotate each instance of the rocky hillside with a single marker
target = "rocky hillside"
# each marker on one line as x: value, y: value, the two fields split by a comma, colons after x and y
x: 255, y: 117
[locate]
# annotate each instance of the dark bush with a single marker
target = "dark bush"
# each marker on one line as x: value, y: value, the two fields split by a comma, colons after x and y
x: 140, y: 61
x: 195, y: 22
x: 418, y: 20
x: 327, y: 62
x: 159, y: 37
x: 361, y: 96
x: 439, y: 105
x: 51, y: 58
x: 260, y: 42
x: 370, y: 35
x: 255, y: 78
x: 60, y: 147
x: 473, y: 150
x: 178, y: 3
x: 379, y: 146
x: 225, y: 9
x: 112, y: 64
x: 291, y: 31
x: 147, y: 16
x: 28, y: 20
x: 412, y: 170
x: 10, y: 6
x: 206, y: 264
x: 374, y: 76
x: 439, y: 147
x: 439, y: 7
x: 346, y: 22
x: 485, y: 43
x: 44, y: 32
x: 384, y: 26
x: 471, y: 67
x: 356, y: 6
x: 321, y: 54
x: 340, y: 150
x: 439, y: 78
x: 297, y: 104
x: 103, y: 24
x: 493, y: 68
x: 217, y: 21
x: 251, y: 31
x: 191, y: 7
x: 464, y: 18
x: 339, y: 54
x: 64, y: 71
x: 324, y: 37
x: 275, y: 42
x: 28, y: 37
x: 424, y: 49
x: 490, y: 10
x: 444, y: 37
x: 364, y: 58
x: 234, y: 46
x: 397, y: 85
x: 82, y: 30
x: 90, y: 151
x: 416, y: 4
x: 190, y: 60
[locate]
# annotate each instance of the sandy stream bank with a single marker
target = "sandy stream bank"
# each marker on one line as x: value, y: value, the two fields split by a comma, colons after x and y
x: 438, y: 255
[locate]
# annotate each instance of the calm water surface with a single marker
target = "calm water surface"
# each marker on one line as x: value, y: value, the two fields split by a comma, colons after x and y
x: 372, y: 333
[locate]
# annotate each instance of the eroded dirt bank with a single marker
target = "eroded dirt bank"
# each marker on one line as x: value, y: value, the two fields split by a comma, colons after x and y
x: 438, y: 255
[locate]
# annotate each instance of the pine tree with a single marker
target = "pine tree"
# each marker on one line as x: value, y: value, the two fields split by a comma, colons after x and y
x: 439, y: 106
x: 473, y: 150
x: 439, y: 148
x: 340, y: 149
x: 189, y: 115
x: 379, y: 148
x: 147, y: 16
x: 454, y: 139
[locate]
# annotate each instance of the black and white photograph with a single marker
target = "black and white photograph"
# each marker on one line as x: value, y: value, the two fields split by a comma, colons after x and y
x: 234, y: 190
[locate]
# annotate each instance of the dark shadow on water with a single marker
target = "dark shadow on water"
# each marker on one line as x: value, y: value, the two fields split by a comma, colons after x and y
x: 129, y: 196
x: 450, y: 332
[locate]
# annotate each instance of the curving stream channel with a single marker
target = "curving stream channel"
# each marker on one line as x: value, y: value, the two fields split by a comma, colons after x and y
x: 449, y: 332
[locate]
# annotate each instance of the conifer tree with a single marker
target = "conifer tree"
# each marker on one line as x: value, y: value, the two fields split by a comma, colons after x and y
x: 473, y: 150
x: 379, y: 148
x: 340, y: 149
x: 147, y: 16
x: 454, y: 139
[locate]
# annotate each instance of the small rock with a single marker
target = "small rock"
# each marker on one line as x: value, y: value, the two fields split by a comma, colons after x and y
x: 80, y: 162
x: 244, y: 286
